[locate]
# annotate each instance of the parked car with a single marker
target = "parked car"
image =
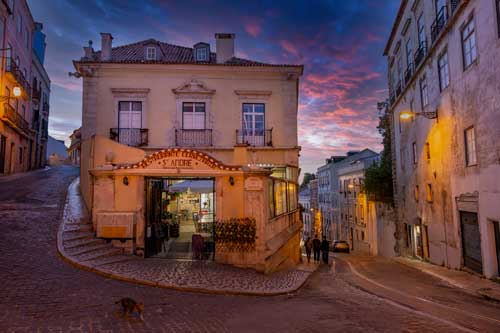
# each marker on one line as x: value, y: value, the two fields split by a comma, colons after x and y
x: 340, y: 246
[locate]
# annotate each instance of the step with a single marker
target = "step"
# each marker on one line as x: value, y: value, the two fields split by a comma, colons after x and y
x: 77, y: 227
x: 103, y: 252
x: 113, y: 259
x: 87, y: 249
x: 69, y: 245
x: 77, y: 235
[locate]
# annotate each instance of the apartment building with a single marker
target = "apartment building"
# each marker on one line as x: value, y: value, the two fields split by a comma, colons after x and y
x: 444, y: 94
x: 185, y: 139
x: 74, y: 150
x: 21, y: 135
x: 307, y: 217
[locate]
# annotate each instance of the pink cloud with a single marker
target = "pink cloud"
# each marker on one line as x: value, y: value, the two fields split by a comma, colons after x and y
x: 253, y: 29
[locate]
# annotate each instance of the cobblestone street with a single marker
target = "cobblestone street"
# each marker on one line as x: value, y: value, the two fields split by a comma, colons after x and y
x: 41, y: 292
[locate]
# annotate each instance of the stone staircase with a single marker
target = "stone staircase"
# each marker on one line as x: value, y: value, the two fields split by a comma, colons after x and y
x: 77, y: 240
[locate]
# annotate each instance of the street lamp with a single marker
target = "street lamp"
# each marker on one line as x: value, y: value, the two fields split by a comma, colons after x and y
x: 406, y: 115
x: 16, y: 91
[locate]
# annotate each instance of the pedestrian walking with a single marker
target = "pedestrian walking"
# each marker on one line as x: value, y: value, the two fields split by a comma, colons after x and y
x: 308, y: 245
x: 325, y: 249
x: 316, y: 248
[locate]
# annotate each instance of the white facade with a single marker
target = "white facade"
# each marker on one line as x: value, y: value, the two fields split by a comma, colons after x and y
x: 443, y: 61
x: 353, y: 202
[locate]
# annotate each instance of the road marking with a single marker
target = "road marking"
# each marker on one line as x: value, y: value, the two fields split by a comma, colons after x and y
x: 355, y: 271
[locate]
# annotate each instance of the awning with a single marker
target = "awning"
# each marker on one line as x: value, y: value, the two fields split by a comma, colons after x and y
x: 197, y: 186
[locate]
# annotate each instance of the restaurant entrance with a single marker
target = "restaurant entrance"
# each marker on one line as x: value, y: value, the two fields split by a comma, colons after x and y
x: 180, y: 215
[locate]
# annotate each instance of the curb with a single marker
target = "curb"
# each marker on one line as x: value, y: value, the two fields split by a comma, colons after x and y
x: 483, y: 292
x: 67, y: 258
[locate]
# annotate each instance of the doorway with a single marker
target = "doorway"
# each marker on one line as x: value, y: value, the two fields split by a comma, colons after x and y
x: 496, y: 227
x: 471, y: 241
x: 180, y: 215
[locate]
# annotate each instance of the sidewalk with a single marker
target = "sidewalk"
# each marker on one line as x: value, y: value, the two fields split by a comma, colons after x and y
x: 469, y: 282
x: 77, y: 244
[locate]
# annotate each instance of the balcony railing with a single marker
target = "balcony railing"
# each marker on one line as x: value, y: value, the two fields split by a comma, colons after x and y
x: 265, y: 139
x: 454, y: 5
x: 14, y: 119
x: 193, y: 137
x: 13, y: 70
x: 420, y: 53
x: 134, y: 137
x: 439, y: 23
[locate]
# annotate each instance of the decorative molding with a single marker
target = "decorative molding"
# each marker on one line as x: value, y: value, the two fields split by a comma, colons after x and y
x: 468, y: 202
x: 253, y: 94
x: 134, y: 92
x: 193, y: 88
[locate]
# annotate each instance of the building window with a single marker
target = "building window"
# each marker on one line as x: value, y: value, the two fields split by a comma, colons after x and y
x: 19, y: 24
x: 469, y: 44
x: 414, y: 152
x: 470, y: 147
x: 409, y: 53
x: 23, y: 108
x: 202, y: 54
x: 253, y: 119
x: 151, y: 53
x: 416, y: 193
x: 444, y: 72
x: 193, y: 115
x: 428, y: 151
x: 421, y: 30
x: 498, y: 16
x: 20, y: 155
x: 129, y: 114
x: 424, y: 94
x: 428, y: 193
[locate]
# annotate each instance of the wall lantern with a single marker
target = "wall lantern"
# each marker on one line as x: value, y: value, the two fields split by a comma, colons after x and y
x: 125, y: 181
x: 231, y: 180
x: 16, y: 92
x: 350, y: 186
x: 406, y: 115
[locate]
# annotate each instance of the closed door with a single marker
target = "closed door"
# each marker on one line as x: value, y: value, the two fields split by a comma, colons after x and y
x: 253, y: 123
x: 496, y: 227
x: 3, y: 143
x: 471, y: 242
x: 129, y: 122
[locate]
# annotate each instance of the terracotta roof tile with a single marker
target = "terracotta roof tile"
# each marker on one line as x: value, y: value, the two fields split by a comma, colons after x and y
x: 170, y: 54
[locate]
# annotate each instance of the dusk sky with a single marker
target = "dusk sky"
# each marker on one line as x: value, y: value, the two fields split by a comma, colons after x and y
x: 340, y: 44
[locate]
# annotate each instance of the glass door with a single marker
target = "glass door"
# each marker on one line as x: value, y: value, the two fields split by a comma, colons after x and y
x: 253, y: 123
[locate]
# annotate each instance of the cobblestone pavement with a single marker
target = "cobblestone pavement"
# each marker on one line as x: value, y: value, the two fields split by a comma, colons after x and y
x: 79, y: 246
x: 41, y: 292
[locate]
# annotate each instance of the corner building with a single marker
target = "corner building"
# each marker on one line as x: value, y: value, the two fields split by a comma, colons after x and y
x: 177, y: 141
x: 443, y: 61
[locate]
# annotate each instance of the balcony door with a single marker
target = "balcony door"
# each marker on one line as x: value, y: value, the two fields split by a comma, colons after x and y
x: 254, y: 123
x: 193, y: 116
x: 129, y: 122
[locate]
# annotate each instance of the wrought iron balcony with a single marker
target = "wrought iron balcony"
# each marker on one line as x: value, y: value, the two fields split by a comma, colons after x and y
x: 454, y: 5
x: 439, y: 23
x: 14, y: 119
x: 420, y: 53
x: 15, y: 74
x: 134, y: 137
x: 262, y: 139
x: 193, y: 137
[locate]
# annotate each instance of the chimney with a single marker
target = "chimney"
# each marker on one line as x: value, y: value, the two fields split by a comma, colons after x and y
x: 224, y: 47
x: 89, y: 51
x: 106, y: 44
